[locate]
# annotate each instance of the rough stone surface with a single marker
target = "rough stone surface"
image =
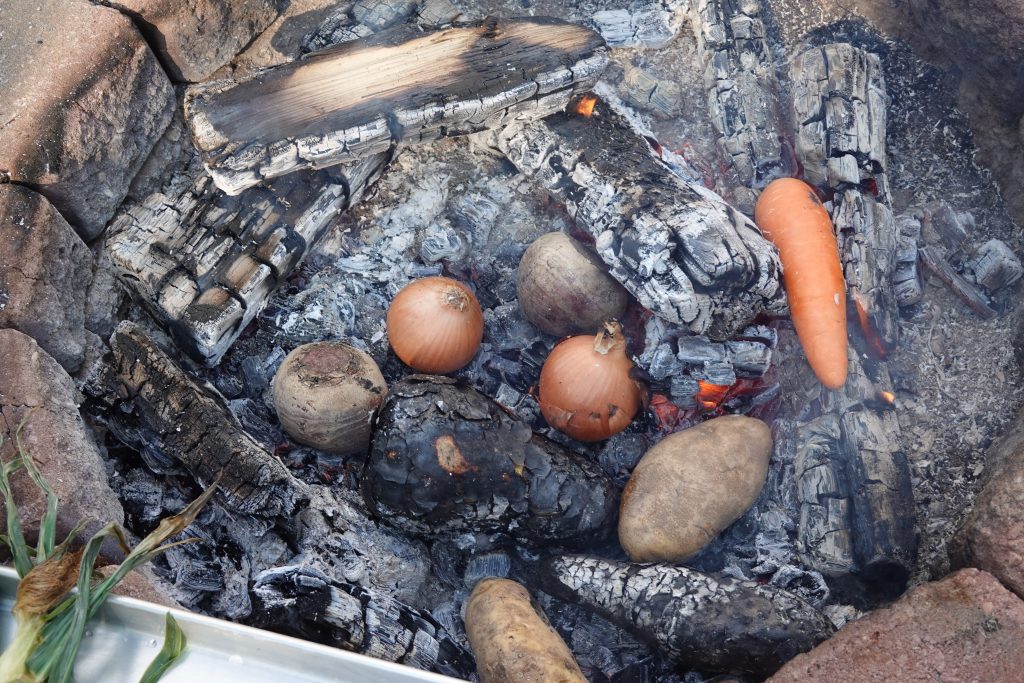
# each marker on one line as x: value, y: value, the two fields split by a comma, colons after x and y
x: 966, y: 627
x: 36, y: 391
x: 45, y: 270
x: 197, y: 37
x: 283, y: 39
x: 142, y: 584
x: 82, y: 100
x: 691, y: 485
x: 992, y: 538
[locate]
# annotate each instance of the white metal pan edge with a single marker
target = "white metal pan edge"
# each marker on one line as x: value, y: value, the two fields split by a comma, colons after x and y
x: 126, y: 634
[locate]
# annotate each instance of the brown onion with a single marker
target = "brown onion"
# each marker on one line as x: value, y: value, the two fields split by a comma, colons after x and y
x: 565, y: 289
x: 326, y: 395
x: 585, y: 387
x: 435, y: 325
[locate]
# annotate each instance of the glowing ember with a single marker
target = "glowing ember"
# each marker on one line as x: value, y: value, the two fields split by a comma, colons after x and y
x: 585, y: 107
x: 887, y: 396
x: 871, y: 336
x: 710, y: 396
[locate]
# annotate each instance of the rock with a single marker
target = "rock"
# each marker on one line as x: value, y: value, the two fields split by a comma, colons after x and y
x: 84, y: 101
x: 197, y: 37
x: 966, y: 627
x: 692, y: 485
x: 35, y: 391
x: 45, y: 270
x: 992, y: 536
x: 282, y: 41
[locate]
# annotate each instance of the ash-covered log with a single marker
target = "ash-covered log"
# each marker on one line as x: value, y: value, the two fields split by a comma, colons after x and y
x: 304, y: 602
x: 205, y: 264
x: 700, y: 621
x: 679, y: 248
x: 934, y: 261
x: 447, y: 460
x: 742, y: 91
x: 839, y: 105
x: 402, y: 85
x: 853, y: 479
x: 188, y: 425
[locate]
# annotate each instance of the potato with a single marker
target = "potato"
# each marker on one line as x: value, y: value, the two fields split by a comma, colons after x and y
x: 512, y: 640
x: 326, y: 395
x: 691, y: 485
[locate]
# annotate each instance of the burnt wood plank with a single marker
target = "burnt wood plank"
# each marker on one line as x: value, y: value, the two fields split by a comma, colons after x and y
x: 402, y: 85
x: 680, y: 249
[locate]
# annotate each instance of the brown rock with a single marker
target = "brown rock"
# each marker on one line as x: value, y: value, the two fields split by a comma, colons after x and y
x: 692, y: 485
x: 992, y: 537
x: 35, y: 391
x: 197, y: 37
x: 142, y: 584
x: 82, y: 100
x: 282, y: 41
x: 966, y: 627
x: 45, y: 269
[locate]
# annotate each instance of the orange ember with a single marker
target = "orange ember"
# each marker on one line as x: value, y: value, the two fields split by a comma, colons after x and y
x: 887, y: 396
x: 871, y: 335
x: 585, y: 107
x: 710, y: 396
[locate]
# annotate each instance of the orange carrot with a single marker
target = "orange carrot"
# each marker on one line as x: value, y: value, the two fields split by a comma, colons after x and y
x: 791, y: 216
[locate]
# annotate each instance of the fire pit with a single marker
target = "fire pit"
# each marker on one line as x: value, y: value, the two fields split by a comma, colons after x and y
x: 287, y: 184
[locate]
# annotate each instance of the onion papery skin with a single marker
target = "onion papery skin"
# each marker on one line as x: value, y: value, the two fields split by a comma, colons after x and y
x: 588, y: 394
x: 435, y: 325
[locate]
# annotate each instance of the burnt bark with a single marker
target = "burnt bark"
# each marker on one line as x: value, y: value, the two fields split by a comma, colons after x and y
x: 742, y: 89
x: 680, y: 249
x: 970, y: 294
x: 699, y: 621
x: 402, y: 85
x: 306, y: 603
x: 205, y: 264
x: 188, y: 425
x: 446, y: 460
x: 853, y: 478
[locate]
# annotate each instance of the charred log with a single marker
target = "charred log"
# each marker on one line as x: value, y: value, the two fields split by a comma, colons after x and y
x: 684, y: 253
x: 306, y: 603
x: 839, y: 104
x: 906, y: 277
x: 706, y: 623
x: 364, y: 18
x: 741, y: 86
x: 970, y: 294
x: 205, y: 264
x: 188, y: 425
x: 402, y: 85
x: 447, y: 460
x: 642, y: 24
x: 853, y: 478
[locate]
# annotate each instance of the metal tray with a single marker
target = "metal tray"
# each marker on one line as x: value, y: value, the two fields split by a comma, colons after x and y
x: 126, y: 634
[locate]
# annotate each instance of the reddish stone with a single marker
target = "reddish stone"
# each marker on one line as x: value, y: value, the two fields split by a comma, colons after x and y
x: 966, y: 627
x: 82, y: 101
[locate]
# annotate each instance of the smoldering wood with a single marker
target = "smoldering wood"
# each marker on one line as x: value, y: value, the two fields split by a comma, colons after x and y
x: 189, y: 425
x: 906, y: 277
x: 446, y: 460
x: 641, y: 24
x: 994, y: 266
x: 853, y: 485
x: 853, y: 479
x: 741, y: 91
x: 747, y: 357
x: 205, y: 264
x: 701, y: 622
x: 303, y: 602
x: 679, y: 248
x: 402, y: 85
x: 937, y: 265
x: 839, y: 103
x: 358, y: 20
x: 942, y: 224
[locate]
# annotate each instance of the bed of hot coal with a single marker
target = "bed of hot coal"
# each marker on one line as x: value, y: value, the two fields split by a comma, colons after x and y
x: 332, y: 574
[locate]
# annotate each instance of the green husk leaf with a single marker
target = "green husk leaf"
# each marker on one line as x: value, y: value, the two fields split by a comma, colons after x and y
x: 174, y: 645
x: 15, y: 534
